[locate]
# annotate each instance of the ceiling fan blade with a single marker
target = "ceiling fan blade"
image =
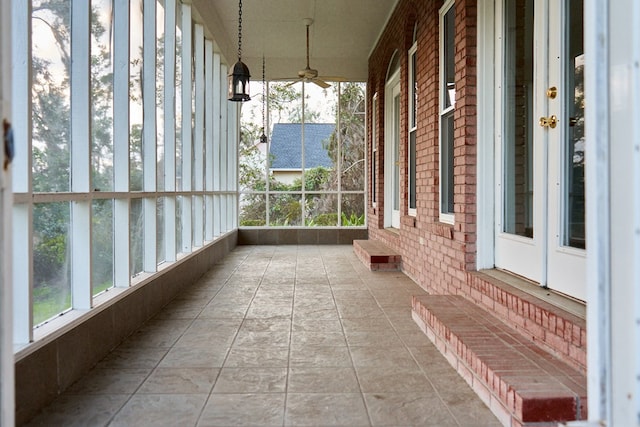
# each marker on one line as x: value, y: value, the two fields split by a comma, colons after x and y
x: 286, y: 79
x: 333, y: 78
x: 291, y: 83
x: 320, y: 83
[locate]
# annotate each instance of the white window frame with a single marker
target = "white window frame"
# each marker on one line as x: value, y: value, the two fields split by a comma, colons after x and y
x: 445, y: 217
x: 7, y: 367
x: 412, y: 128
x: 374, y: 149
x: 211, y: 131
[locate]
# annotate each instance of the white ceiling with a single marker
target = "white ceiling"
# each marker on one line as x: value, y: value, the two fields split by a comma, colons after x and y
x: 342, y: 35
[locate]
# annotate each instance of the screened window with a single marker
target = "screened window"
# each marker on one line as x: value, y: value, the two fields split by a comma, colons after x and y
x: 103, y: 141
x: 311, y: 170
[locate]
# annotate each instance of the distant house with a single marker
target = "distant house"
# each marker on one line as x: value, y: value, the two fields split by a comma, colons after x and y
x: 286, y: 149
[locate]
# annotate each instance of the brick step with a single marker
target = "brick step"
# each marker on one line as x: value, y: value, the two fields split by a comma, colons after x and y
x: 521, y: 383
x: 556, y: 330
x: 376, y: 255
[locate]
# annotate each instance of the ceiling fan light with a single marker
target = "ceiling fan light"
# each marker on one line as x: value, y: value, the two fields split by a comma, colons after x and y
x: 238, y: 83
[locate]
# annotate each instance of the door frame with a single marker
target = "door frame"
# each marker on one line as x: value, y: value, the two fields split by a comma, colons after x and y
x: 489, y: 130
x: 391, y: 216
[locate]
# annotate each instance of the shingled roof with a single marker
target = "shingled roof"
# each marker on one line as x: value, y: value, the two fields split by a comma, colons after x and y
x: 286, y: 153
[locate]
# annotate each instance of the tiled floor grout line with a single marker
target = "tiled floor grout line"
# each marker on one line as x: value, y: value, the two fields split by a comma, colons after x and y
x: 135, y: 392
x: 213, y: 385
x: 329, y: 294
x: 353, y: 365
x: 286, y: 385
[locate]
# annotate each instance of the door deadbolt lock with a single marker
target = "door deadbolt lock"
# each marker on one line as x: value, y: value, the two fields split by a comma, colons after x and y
x: 550, y: 121
x: 552, y: 92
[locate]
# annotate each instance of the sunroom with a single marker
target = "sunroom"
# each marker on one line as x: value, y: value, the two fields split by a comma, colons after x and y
x: 453, y: 141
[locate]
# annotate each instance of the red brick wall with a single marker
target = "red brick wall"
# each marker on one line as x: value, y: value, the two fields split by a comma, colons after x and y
x: 435, y: 254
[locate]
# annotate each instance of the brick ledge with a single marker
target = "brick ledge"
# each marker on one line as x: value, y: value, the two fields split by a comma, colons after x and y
x: 522, y: 384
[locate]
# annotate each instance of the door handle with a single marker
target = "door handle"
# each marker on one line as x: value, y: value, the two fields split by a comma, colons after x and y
x: 550, y: 121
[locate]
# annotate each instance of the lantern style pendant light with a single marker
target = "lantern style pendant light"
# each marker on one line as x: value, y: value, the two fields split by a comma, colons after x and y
x: 238, y: 79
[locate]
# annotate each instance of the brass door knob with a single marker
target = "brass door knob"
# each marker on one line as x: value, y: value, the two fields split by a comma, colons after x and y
x: 550, y: 121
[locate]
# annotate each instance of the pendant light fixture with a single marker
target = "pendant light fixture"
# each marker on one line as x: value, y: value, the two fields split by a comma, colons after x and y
x: 238, y: 79
x: 263, y: 137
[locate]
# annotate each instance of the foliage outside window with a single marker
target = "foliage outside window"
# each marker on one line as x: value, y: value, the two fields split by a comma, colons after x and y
x: 314, y: 185
x: 116, y: 222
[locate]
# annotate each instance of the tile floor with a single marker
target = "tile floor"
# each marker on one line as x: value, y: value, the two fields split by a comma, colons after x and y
x: 278, y: 336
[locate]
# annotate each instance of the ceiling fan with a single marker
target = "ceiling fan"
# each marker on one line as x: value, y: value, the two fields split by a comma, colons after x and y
x: 310, y: 75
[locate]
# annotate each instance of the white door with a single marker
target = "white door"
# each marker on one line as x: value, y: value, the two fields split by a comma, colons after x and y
x: 392, y: 153
x: 540, y: 145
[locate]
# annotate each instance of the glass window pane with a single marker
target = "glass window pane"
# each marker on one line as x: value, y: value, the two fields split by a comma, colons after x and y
x: 179, y: 213
x: 352, y: 210
x: 160, y: 93
x: 51, y: 260
x: 135, y: 95
x: 102, y: 95
x: 178, y: 99
x: 575, y: 147
x: 352, y: 136
x: 449, y: 88
x: 412, y: 170
x: 253, y: 151
x: 285, y: 209
x: 136, y: 236
x: 285, y: 144
x: 253, y: 210
x: 413, y: 88
x: 160, y: 246
x: 320, y: 141
x: 102, y: 245
x: 518, y: 120
x: 321, y: 210
x: 446, y: 164
x: 51, y: 118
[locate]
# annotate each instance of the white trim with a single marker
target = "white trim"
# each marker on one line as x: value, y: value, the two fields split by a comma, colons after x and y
x: 596, y: 38
x: 169, y: 105
x: 374, y: 149
x: 623, y: 132
x: 219, y: 77
x: 121, y: 82
x: 198, y: 140
x: 149, y: 150
x: 444, y: 217
x: 485, y: 184
x: 635, y: 26
x: 186, y: 96
x: 186, y: 132
x: 198, y: 133
x: 21, y: 167
x: 121, y: 219
x: 411, y: 129
x: 150, y: 135
x: 80, y: 88
x: 7, y: 368
x: 392, y: 84
x: 208, y: 139
x: 21, y: 96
